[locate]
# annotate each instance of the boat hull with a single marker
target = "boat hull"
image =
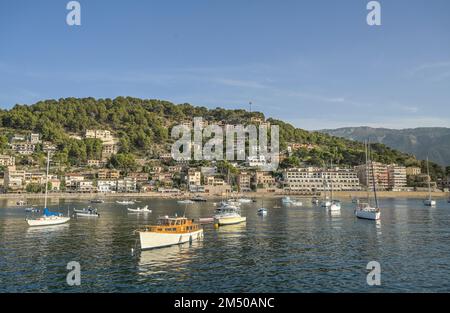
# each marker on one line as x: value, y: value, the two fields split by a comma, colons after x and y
x: 229, y: 220
x: 87, y: 215
x: 262, y: 213
x: 206, y: 220
x: 48, y: 221
x: 335, y: 207
x: 367, y: 215
x: 153, y: 240
x: 429, y: 202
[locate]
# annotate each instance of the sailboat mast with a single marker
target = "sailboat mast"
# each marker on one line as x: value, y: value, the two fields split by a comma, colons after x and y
x: 325, y: 182
x: 366, y: 146
x: 373, y: 181
x: 428, y: 179
x: 46, y: 179
x: 331, y: 180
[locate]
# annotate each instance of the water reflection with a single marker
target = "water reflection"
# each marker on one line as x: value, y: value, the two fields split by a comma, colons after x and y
x: 169, y: 259
x: 290, y: 249
x: 46, y: 230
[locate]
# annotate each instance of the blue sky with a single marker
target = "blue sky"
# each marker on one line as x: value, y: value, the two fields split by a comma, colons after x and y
x: 316, y: 64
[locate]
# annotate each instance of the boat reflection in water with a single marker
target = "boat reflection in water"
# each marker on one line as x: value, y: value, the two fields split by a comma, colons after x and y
x: 43, y: 230
x: 169, y: 259
x: 335, y: 213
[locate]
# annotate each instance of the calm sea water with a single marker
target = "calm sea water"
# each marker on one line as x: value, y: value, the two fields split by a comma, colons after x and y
x: 303, y: 249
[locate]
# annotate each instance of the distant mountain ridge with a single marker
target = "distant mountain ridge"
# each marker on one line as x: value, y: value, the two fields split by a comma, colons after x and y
x: 433, y: 142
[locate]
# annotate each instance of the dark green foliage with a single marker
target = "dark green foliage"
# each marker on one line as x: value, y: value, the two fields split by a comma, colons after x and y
x: 143, y: 127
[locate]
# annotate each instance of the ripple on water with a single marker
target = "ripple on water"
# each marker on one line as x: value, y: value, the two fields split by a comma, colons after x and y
x: 290, y: 250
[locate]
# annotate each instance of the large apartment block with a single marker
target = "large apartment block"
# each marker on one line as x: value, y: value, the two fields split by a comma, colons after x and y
x: 313, y: 179
x: 386, y: 176
x: 397, y: 177
x: 244, y: 181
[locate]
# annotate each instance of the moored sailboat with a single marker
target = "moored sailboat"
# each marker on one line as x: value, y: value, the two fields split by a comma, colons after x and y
x: 429, y: 201
x: 335, y: 205
x: 364, y: 210
x: 48, y: 218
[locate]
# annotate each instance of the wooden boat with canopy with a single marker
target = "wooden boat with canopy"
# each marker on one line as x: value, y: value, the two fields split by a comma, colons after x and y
x: 169, y: 231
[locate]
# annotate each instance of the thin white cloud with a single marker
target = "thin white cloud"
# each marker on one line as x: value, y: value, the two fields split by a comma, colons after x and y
x: 427, y: 66
x: 434, y: 72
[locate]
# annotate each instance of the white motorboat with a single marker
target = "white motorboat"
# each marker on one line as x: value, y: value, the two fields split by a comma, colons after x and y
x: 198, y: 198
x: 187, y: 201
x: 325, y: 203
x: 48, y: 218
x: 229, y: 202
x: 286, y: 200
x: 32, y: 210
x: 86, y: 212
x: 429, y: 201
x: 335, y: 205
x: 365, y: 210
x: 140, y: 210
x: 228, y: 215
x: 169, y: 231
x: 315, y: 201
x: 97, y: 201
x: 125, y: 202
x: 262, y: 211
x: 245, y: 200
x: 234, y: 202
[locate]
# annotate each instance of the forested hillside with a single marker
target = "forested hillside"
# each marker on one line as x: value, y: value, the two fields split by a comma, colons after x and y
x: 143, y: 128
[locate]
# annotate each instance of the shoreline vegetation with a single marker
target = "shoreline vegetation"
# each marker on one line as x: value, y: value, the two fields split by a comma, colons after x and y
x: 338, y: 194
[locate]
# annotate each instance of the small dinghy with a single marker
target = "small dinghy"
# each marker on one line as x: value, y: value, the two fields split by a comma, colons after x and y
x: 296, y: 203
x: 139, y: 210
x: 262, y: 212
x: 187, y: 201
x: 245, y: 200
x: 89, y: 212
x: 32, y: 210
x: 125, y: 202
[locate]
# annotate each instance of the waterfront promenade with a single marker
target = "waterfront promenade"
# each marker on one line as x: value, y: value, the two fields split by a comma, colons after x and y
x: 338, y: 195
